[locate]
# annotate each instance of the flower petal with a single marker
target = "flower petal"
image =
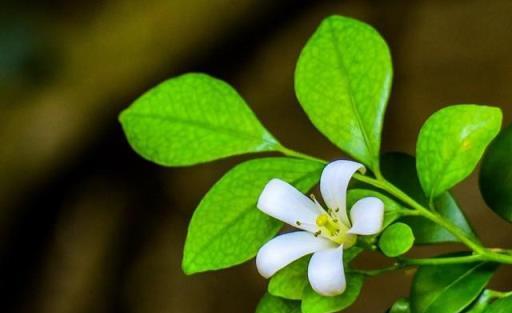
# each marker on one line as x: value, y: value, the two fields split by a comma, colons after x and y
x: 367, y: 216
x: 326, y: 273
x: 334, y: 183
x: 282, y: 201
x: 286, y: 248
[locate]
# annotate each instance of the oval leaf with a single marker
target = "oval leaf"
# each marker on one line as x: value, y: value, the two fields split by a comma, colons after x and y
x: 400, y: 169
x: 450, y: 144
x: 315, y: 303
x: 191, y: 119
x: 449, y: 288
x: 496, y: 175
x: 503, y: 305
x: 227, y: 228
x: 290, y: 282
x: 271, y: 304
x: 396, y: 240
x: 342, y: 81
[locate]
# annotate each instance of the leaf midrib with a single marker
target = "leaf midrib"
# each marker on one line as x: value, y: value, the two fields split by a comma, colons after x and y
x: 339, y: 61
x: 468, y: 272
x: 232, y: 132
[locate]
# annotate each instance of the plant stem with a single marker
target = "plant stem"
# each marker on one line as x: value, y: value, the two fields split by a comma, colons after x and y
x: 480, y: 253
x: 407, y: 262
x: 442, y: 261
x: 494, y: 255
x: 377, y: 272
x: 486, y: 254
x: 297, y: 154
x: 393, y: 190
x: 498, y: 294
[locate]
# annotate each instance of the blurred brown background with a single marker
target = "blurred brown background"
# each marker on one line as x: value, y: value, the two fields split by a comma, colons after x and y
x: 88, y: 226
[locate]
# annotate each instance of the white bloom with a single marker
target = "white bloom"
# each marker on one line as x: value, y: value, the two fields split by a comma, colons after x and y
x: 325, y: 232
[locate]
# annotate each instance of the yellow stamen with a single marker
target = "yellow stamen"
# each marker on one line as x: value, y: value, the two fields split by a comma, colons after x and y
x: 325, y: 221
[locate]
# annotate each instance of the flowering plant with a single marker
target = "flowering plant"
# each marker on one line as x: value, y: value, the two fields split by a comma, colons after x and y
x: 379, y: 202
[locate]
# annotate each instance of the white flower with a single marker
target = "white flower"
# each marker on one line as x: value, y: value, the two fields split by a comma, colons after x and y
x: 325, y: 232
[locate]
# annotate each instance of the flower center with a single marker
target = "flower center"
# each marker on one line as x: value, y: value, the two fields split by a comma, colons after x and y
x: 332, y: 228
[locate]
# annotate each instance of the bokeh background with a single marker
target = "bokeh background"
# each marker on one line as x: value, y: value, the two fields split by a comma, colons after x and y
x: 88, y: 226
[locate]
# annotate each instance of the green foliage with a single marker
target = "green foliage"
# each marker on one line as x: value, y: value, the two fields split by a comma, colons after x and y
x: 290, y: 282
x: 400, y: 169
x: 449, y: 288
x: 396, y: 240
x: 227, y: 228
x: 271, y: 304
x: 315, y: 303
x: 503, y: 305
x: 342, y: 81
x: 450, y: 144
x: 496, y: 175
x: 191, y: 119
x: 402, y: 305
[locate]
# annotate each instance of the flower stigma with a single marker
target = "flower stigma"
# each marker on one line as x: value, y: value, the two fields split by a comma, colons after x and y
x: 331, y: 227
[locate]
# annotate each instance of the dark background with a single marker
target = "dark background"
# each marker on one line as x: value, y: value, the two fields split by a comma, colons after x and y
x: 88, y: 226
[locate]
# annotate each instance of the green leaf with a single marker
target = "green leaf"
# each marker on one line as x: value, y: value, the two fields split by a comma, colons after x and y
x: 496, y: 175
x: 191, y: 119
x: 449, y: 288
x: 342, y: 81
x: 503, y: 305
x: 402, y: 305
x: 450, y: 144
x: 290, y: 282
x: 400, y: 169
x: 271, y: 304
x: 481, y: 303
x: 396, y: 240
x: 392, y: 210
x: 227, y: 228
x: 315, y: 303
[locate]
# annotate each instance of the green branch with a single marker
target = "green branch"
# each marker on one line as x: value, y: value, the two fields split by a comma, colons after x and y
x: 402, y: 263
x: 442, y: 261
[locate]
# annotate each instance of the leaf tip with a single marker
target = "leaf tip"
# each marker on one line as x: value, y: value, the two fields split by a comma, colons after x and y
x: 188, y: 267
